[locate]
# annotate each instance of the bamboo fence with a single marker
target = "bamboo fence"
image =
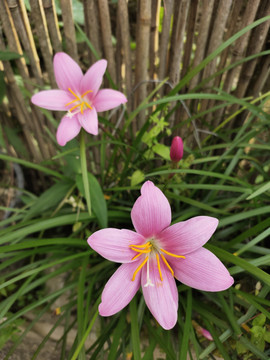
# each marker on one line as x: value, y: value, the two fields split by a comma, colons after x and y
x: 171, y: 36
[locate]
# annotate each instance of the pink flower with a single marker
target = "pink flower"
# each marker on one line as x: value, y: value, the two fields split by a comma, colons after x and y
x: 79, y: 95
x: 176, y: 151
x: 155, y: 254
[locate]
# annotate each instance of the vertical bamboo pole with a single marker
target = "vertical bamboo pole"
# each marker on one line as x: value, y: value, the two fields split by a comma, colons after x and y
x: 69, y: 30
x: 38, y: 15
x: 53, y: 26
x: 263, y: 75
x: 22, y: 33
x: 153, y: 51
x: 164, y: 41
x: 142, y: 52
x: 255, y: 45
x: 92, y: 26
x: 206, y: 12
x: 180, y: 20
x: 241, y: 43
x: 191, y: 22
x: 107, y: 36
x: 125, y: 40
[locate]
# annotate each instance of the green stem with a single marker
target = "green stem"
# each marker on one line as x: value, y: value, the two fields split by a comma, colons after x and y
x: 84, y: 172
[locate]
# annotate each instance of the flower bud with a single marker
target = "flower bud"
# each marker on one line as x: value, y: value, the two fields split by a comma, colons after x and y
x: 176, y: 152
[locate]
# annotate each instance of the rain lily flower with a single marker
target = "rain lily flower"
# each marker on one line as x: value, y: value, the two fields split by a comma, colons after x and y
x: 79, y: 96
x: 176, y: 151
x: 156, y: 254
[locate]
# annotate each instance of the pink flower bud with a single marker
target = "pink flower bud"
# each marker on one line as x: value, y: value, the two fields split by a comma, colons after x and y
x: 206, y: 334
x: 176, y: 152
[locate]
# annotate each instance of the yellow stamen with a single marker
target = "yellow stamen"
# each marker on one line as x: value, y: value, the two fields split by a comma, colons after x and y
x: 146, y: 251
x: 90, y: 107
x: 82, y: 107
x: 73, y: 93
x: 139, y: 268
x: 87, y: 92
x: 74, y: 107
x: 71, y: 102
x: 166, y: 263
x: 136, y: 256
x: 168, y: 253
x: 159, y: 269
x: 142, y: 246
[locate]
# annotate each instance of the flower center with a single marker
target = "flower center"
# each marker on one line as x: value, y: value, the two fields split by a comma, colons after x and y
x: 81, y: 102
x: 147, y: 250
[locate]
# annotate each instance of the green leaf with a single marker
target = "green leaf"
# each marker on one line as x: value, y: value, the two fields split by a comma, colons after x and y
x: 267, y: 336
x: 9, y: 55
x: 259, y: 191
x: 2, y: 87
x: 50, y: 198
x: 137, y: 177
x: 135, y: 335
x: 98, y: 201
x: 162, y: 150
x: 259, y: 320
x: 257, y: 337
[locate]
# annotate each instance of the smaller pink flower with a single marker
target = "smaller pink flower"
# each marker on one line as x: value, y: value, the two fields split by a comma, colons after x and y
x: 79, y: 95
x: 176, y: 152
x: 157, y: 254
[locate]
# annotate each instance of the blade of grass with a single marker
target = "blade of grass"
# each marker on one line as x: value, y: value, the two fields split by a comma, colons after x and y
x: 184, y: 346
x: 135, y: 330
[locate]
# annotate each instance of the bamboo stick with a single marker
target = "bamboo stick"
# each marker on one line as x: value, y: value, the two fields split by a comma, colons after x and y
x: 38, y: 15
x: 142, y: 52
x: 69, y: 30
x: 263, y: 74
x: 53, y: 26
x: 217, y: 35
x: 125, y: 40
x: 17, y: 100
x: 241, y: 44
x: 164, y: 41
x: 22, y: 33
x: 92, y: 27
x: 153, y: 51
x: 12, y: 36
x: 206, y: 11
x: 180, y: 20
x: 191, y: 22
x: 107, y: 36
x: 256, y: 43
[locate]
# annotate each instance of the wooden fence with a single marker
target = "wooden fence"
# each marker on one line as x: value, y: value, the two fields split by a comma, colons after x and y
x: 170, y: 38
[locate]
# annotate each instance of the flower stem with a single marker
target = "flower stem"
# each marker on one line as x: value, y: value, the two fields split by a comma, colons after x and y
x: 84, y: 171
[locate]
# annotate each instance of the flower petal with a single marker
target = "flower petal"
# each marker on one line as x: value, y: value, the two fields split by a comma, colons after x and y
x: 187, y: 236
x: 67, y: 72
x: 151, y: 212
x: 67, y: 130
x: 162, y: 298
x: 93, y: 77
x: 52, y: 99
x: 202, y: 270
x: 107, y: 99
x: 89, y: 121
x: 113, y: 244
x: 119, y: 290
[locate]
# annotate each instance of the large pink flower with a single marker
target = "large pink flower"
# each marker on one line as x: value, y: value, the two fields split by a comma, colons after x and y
x: 155, y: 254
x: 79, y: 95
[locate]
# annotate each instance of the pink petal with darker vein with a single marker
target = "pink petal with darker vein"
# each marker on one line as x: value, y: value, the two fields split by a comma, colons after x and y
x: 67, y: 130
x: 108, y: 99
x: 151, y: 212
x: 67, y: 72
x: 202, y: 270
x: 114, y: 244
x: 162, y: 298
x: 93, y: 78
x: 89, y: 121
x: 187, y: 236
x: 119, y: 290
x: 52, y: 99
